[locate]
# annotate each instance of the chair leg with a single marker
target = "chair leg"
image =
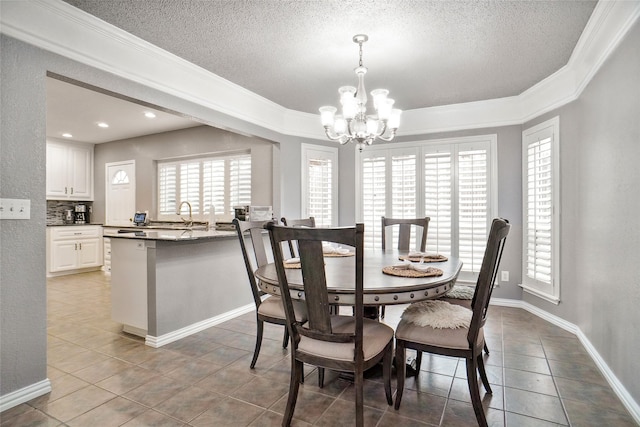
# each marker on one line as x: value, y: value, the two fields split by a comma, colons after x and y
x: 285, y: 340
x: 387, y: 360
x: 382, y: 311
x: 359, y: 385
x: 256, y: 351
x: 486, y: 349
x: 472, y: 381
x: 401, y: 371
x: 418, y: 361
x: 483, y: 374
x: 320, y: 377
x: 294, y: 385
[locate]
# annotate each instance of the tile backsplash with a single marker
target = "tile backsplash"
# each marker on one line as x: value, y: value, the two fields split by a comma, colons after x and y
x: 56, y: 209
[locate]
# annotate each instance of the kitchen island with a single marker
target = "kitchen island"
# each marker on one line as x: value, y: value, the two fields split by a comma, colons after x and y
x: 168, y: 284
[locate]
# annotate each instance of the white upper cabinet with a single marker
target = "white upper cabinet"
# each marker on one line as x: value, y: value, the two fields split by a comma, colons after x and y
x: 69, y: 171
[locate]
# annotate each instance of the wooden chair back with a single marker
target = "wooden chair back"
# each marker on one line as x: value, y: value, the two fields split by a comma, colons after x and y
x: 255, y: 230
x: 404, y: 235
x: 314, y: 281
x: 305, y: 222
x: 487, y: 276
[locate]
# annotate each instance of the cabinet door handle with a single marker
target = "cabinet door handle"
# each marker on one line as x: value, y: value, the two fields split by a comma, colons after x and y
x: 65, y: 190
x: 71, y: 190
x: 76, y: 247
x: 80, y: 246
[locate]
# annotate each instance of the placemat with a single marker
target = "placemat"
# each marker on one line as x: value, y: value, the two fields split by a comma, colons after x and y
x: 336, y: 255
x: 292, y: 265
x: 405, y: 272
x: 430, y: 258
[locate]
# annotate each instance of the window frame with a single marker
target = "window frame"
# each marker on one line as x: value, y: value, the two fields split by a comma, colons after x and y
x: 200, y: 158
x: 551, y: 291
x: 421, y: 148
x: 309, y: 152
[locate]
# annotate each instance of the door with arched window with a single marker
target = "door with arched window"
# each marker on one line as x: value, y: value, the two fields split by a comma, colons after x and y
x: 120, y: 193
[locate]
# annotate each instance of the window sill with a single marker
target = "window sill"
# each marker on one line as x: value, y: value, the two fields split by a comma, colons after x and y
x: 545, y: 296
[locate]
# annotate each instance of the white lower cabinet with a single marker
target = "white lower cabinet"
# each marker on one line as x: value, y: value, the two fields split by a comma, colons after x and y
x: 72, y: 248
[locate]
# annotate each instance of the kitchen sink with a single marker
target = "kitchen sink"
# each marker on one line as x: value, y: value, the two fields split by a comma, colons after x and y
x: 177, y: 225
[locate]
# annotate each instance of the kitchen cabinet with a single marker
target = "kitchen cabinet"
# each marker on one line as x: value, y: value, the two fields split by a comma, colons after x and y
x: 73, y: 248
x: 69, y: 171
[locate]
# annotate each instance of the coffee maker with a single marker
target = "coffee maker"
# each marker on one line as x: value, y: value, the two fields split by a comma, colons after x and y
x: 81, y: 215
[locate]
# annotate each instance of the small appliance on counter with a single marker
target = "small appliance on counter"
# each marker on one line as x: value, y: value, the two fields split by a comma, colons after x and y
x: 69, y: 216
x: 253, y: 213
x: 81, y: 215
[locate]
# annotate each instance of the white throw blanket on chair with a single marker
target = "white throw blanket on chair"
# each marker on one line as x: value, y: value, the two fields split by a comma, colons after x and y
x: 437, y: 314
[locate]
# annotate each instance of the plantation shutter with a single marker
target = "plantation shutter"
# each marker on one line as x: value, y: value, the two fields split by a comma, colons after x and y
x: 213, y: 185
x: 438, y: 196
x: 473, y: 198
x: 190, y: 185
x: 239, y: 182
x: 167, y: 188
x: 320, y: 201
x: 373, y: 198
x: 403, y: 192
x: 539, y: 210
x: 220, y: 182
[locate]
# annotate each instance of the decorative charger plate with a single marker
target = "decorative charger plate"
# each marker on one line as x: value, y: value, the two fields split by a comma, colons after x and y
x: 406, y: 272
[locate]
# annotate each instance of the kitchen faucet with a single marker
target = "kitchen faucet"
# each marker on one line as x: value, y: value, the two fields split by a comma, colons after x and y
x: 188, y: 222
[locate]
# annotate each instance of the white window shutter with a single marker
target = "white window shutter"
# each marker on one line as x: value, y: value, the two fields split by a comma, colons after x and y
x: 167, y: 188
x: 320, y: 202
x: 403, y: 192
x: 473, y: 212
x: 438, y: 176
x: 373, y: 198
x: 540, y: 210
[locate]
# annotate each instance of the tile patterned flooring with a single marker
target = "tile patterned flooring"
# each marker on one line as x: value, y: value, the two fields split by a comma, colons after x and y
x: 540, y: 374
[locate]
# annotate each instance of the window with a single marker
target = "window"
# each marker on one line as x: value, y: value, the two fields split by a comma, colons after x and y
x: 540, y: 195
x: 208, y: 183
x: 319, y: 184
x: 451, y: 181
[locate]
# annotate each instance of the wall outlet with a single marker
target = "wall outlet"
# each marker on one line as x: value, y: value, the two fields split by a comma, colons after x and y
x: 504, y: 276
x: 15, y: 208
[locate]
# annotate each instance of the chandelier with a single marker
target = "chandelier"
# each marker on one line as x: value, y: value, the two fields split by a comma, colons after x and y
x: 354, y: 125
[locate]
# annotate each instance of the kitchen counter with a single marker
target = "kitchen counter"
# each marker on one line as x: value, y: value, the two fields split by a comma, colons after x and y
x: 72, y: 225
x: 168, y: 284
x: 166, y: 234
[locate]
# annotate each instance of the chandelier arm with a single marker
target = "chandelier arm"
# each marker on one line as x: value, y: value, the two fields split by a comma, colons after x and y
x: 389, y: 138
x: 334, y: 137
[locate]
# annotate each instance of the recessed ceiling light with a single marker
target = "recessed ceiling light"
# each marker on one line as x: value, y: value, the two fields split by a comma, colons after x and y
x: 103, y: 125
x: 149, y: 115
x: 67, y: 135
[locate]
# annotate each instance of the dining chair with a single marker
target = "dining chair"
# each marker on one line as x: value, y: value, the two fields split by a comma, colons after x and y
x: 404, y: 236
x: 271, y: 309
x: 464, y: 342
x: 338, y: 342
x: 304, y: 222
x: 458, y: 295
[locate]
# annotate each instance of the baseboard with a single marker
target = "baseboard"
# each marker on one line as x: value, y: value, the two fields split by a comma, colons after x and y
x: 618, y: 388
x: 23, y: 395
x: 197, y: 327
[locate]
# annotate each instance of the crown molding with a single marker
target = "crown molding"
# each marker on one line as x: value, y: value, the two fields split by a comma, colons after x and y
x: 58, y: 27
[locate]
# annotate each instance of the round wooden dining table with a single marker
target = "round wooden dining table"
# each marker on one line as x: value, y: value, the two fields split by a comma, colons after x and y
x: 379, y: 288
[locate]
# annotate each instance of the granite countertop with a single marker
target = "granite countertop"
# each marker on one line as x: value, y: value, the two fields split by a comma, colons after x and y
x: 167, y: 234
x: 72, y: 225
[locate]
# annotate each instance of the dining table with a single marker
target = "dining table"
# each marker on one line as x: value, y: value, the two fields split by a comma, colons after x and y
x: 379, y: 288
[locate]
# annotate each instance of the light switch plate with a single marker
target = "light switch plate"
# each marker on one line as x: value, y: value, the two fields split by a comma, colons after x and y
x: 15, y: 209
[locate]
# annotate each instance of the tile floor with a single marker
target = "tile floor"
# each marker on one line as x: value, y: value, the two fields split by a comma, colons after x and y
x: 540, y: 375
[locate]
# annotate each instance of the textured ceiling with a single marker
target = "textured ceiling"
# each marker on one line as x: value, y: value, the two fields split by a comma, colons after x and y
x: 297, y: 53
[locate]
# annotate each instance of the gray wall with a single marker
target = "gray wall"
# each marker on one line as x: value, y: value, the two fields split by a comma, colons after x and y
x: 146, y: 150
x: 600, y: 204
